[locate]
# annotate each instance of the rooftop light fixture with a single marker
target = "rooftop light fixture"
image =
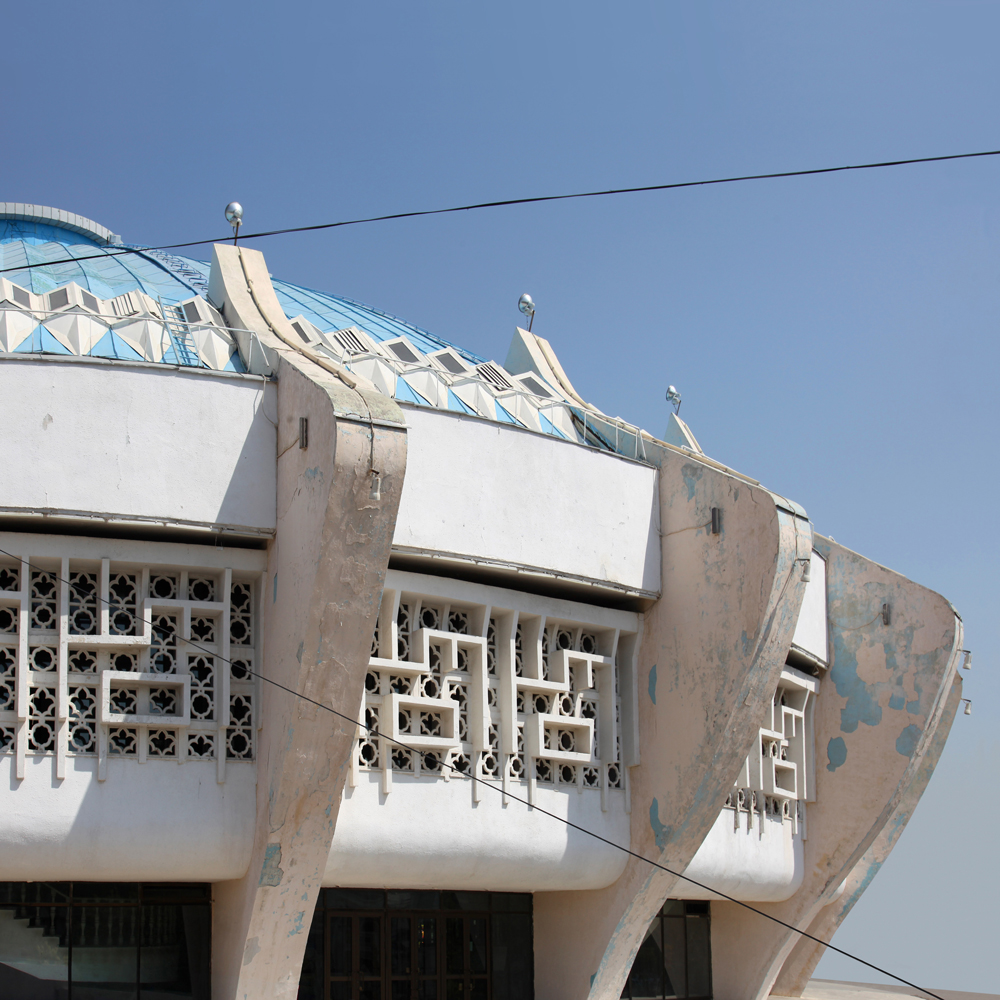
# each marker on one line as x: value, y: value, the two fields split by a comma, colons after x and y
x: 967, y: 662
x: 674, y: 397
x: 234, y: 216
x: 527, y: 306
x: 968, y: 705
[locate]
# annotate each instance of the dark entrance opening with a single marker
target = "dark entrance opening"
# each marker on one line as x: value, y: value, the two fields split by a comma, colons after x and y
x: 675, y: 959
x: 397, y: 944
x: 104, y: 941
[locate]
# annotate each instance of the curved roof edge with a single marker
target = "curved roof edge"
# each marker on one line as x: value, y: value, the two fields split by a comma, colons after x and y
x: 57, y: 217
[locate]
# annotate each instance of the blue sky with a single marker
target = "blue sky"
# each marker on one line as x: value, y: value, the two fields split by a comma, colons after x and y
x: 835, y: 337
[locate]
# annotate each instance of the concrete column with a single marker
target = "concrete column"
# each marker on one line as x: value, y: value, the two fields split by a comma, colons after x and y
x: 876, y: 715
x: 712, y: 651
x: 805, y: 955
x: 326, y: 569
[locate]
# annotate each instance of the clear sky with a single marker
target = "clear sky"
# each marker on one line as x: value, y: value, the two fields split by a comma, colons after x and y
x: 835, y: 337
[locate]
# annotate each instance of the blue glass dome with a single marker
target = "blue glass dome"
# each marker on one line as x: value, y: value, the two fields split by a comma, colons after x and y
x: 29, y: 237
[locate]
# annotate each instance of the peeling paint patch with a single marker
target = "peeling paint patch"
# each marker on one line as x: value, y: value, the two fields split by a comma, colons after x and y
x: 660, y: 832
x: 313, y: 473
x: 250, y: 950
x: 913, y: 707
x: 861, y: 705
x: 271, y: 873
x: 691, y: 474
x: 297, y: 924
x: 906, y: 742
x: 836, y: 753
x: 896, y: 702
x: 652, y: 683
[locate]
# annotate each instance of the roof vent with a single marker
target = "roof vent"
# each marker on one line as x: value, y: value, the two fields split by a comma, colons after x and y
x: 124, y: 305
x: 350, y: 340
x: 89, y: 302
x: 300, y: 330
x: 533, y: 385
x: 191, y: 312
x: 59, y: 298
x: 403, y: 351
x: 450, y: 362
x: 21, y: 297
x: 494, y: 375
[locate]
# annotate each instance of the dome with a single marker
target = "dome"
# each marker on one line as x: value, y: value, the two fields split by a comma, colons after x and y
x: 36, y: 234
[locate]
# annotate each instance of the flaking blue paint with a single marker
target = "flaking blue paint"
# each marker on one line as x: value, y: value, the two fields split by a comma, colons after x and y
x: 913, y: 707
x: 836, y: 753
x: 313, y: 473
x: 896, y: 702
x: 652, y: 683
x: 906, y: 742
x: 270, y: 872
x: 297, y: 923
x: 660, y: 832
x: 691, y: 474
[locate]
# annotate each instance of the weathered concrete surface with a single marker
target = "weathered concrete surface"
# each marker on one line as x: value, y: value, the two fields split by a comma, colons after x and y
x: 325, y: 574
x: 875, y: 717
x: 793, y: 979
x: 712, y: 651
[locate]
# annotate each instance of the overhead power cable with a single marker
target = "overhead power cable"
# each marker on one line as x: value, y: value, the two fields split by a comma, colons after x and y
x: 460, y: 773
x: 520, y: 201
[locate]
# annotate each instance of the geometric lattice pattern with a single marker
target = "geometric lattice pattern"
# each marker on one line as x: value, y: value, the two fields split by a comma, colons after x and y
x: 93, y: 660
x: 775, y: 779
x: 505, y: 695
x: 132, y: 326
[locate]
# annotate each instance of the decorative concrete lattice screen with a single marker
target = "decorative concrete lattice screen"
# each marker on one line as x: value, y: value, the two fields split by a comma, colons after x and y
x: 126, y: 660
x: 777, y: 776
x: 512, y: 696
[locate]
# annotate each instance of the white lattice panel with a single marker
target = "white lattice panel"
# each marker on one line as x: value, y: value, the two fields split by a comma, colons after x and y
x: 123, y: 658
x: 776, y: 776
x: 509, y: 694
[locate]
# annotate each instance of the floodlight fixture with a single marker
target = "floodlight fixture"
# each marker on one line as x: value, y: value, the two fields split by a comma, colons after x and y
x: 674, y: 397
x: 234, y: 216
x: 527, y: 306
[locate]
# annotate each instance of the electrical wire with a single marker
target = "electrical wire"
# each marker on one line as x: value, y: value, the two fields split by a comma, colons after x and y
x: 520, y: 201
x: 482, y: 781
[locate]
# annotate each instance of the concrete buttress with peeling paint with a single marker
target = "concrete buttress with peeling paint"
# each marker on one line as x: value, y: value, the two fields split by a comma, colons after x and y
x: 330, y: 552
x: 879, y: 709
x: 718, y: 637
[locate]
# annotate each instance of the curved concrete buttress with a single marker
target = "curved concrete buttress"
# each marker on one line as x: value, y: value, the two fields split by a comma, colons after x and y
x: 801, y: 963
x: 876, y: 714
x: 326, y: 570
x: 712, y: 651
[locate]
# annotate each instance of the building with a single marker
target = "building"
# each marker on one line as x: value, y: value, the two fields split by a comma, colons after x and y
x: 231, y: 503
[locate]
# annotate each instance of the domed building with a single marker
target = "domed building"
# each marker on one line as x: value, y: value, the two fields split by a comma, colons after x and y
x: 339, y: 662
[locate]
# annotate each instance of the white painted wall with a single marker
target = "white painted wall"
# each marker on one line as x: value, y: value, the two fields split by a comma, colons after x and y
x: 811, y: 628
x: 750, y: 866
x: 494, y: 492
x: 427, y: 833
x: 135, y: 441
x: 157, y: 821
